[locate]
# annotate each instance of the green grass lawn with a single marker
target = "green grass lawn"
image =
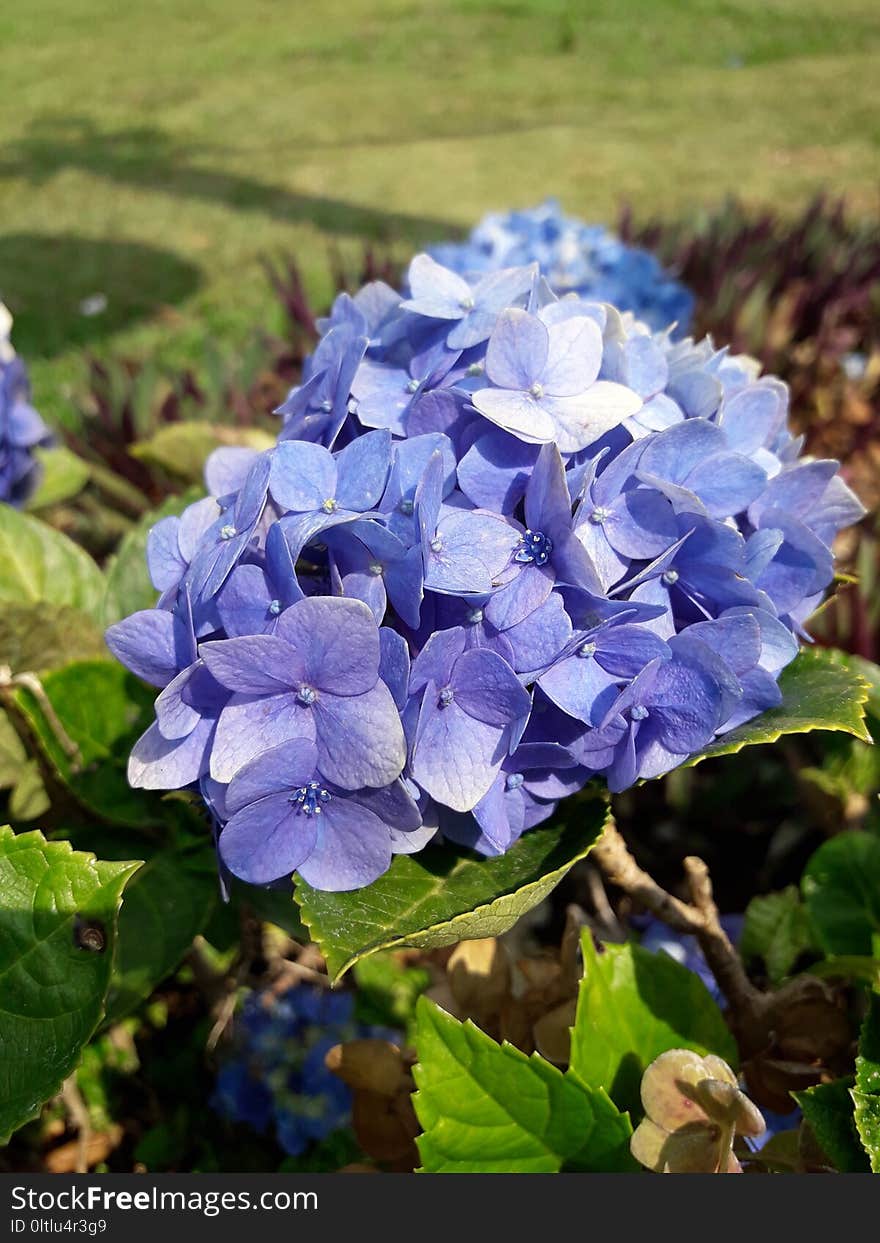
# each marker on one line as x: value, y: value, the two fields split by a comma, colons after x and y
x: 154, y: 152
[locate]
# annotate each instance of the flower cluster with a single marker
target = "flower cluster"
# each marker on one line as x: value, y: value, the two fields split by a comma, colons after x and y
x: 21, y: 428
x: 575, y: 257
x: 277, y: 1075
x: 505, y: 543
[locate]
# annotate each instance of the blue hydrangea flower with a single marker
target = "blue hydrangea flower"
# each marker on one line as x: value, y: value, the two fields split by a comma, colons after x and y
x: 275, y: 1076
x: 506, y: 543
x: 575, y: 258
x: 21, y: 428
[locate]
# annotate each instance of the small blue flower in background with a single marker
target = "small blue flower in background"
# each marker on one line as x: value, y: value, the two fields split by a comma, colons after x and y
x: 276, y: 1077
x: 21, y: 428
x: 659, y: 937
x: 575, y: 257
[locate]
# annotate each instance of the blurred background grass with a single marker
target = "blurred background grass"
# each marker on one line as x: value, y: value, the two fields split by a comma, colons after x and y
x: 152, y: 154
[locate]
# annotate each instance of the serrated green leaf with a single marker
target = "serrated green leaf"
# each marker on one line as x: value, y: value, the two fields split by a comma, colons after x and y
x: 96, y: 779
x: 867, y: 1120
x: 866, y: 1094
x: 167, y: 904
x: 841, y: 888
x: 40, y: 565
x: 818, y: 692
x: 632, y: 1006
x: 777, y: 931
x: 128, y: 586
x: 828, y: 1108
x: 441, y: 895
x: 64, y: 475
x: 487, y: 1108
x: 52, y: 986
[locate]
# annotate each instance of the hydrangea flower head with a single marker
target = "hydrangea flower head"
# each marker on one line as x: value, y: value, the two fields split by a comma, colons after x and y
x: 21, y: 428
x: 507, y: 543
x: 575, y: 257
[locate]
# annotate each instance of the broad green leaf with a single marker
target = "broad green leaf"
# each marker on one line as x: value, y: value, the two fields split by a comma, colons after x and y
x: 64, y: 475
x: 486, y: 1108
x: 632, y: 1006
x: 818, y: 692
x: 167, y: 904
x: 777, y: 931
x: 37, y: 637
x: 441, y: 895
x: 828, y: 1108
x: 866, y: 1094
x: 40, y: 565
x: 841, y: 888
x: 128, y: 582
x: 102, y: 709
x: 181, y: 449
x: 58, y: 911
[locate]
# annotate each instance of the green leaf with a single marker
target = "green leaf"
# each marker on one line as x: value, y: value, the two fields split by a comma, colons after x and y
x: 841, y: 888
x: 818, y: 692
x: 167, y: 904
x: 128, y: 581
x: 441, y: 895
x: 64, y: 475
x: 866, y: 1094
x: 867, y: 1120
x: 95, y: 778
x: 828, y: 1108
x: 40, y: 565
x: 776, y: 931
x: 52, y: 986
x: 181, y: 449
x: 487, y: 1108
x: 632, y: 1006
x: 37, y: 637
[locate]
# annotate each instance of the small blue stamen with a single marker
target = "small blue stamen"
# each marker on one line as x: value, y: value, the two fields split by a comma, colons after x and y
x: 306, y: 695
x: 228, y: 532
x: 639, y: 712
x: 376, y: 568
x: 326, y: 405
x: 405, y: 506
x: 413, y: 386
x: 475, y: 616
x: 329, y: 506
x: 586, y: 650
x: 274, y: 607
x: 670, y: 578
x: 475, y: 369
x: 466, y: 304
x: 599, y: 515
x: 533, y: 549
x: 436, y: 544
x: 514, y: 781
x: 309, y: 798
x: 446, y: 696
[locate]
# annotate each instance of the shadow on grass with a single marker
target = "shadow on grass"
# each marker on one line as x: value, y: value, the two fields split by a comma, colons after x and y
x: 148, y: 157
x: 66, y: 290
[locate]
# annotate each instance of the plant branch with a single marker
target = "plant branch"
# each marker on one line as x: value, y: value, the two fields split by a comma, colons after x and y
x: 699, y: 918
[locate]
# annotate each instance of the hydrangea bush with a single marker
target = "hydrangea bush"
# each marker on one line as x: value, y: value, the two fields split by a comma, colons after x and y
x: 506, y: 543
x: 21, y: 428
x: 576, y: 257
